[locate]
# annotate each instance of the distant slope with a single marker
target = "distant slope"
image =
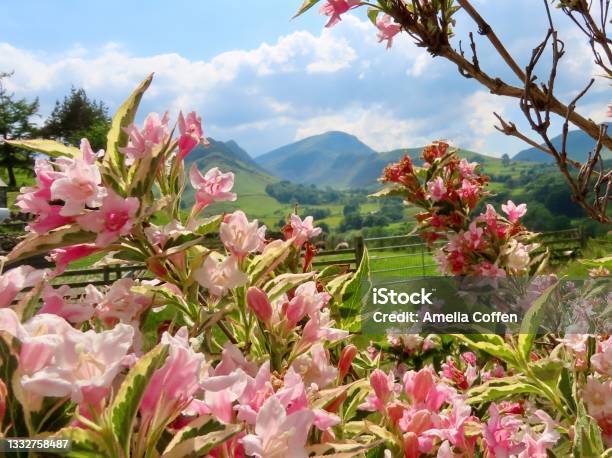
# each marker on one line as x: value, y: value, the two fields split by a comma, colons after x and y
x: 368, y: 171
x: 579, y: 145
x: 325, y: 159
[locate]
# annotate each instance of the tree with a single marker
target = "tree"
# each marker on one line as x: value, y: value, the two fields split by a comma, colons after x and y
x: 431, y: 25
x: 15, y: 123
x: 78, y: 117
x: 505, y: 159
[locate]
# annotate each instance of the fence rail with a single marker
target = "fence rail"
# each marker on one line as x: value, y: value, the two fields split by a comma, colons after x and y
x: 390, y: 254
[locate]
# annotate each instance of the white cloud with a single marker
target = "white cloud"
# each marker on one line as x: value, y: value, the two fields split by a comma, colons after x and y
x: 374, y: 125
x: 479, y: 109
x: 306, y: 83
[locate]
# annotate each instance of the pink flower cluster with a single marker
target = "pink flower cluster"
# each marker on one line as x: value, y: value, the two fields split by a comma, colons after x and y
x: 431, y: 415
x: 334, y: 9
x: 448, y: 189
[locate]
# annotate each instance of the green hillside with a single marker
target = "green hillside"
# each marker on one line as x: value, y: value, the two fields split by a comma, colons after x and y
x: 325, y: 159
x: 578, y: 147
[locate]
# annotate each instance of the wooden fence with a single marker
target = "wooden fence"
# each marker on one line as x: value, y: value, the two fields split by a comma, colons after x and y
x: 398, y: 255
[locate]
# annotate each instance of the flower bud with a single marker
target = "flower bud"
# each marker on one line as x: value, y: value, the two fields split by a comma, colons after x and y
x: 259, y: 303
x: 3, y: 395
x: 380, y: 384
x: 346, y: 359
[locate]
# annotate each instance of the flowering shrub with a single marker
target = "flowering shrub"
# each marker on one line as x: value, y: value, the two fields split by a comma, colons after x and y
x: 243, y: 349
x: 447, y: 190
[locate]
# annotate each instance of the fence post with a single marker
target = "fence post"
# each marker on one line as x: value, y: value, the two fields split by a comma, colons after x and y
x: 423, y: 258
x: 358, y: 250
x: 582, y: 236
x: 106, y: 275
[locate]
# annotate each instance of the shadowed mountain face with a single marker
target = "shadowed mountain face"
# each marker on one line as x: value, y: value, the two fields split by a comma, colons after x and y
x: 579, y: 145
x: 333, y: 159
x: 326, y: 159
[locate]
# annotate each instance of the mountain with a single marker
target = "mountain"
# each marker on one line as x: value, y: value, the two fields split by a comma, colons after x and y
x: 325, y: 159
x: 579, y: 145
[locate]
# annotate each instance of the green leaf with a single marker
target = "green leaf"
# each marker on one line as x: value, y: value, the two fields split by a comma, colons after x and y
x: 117, y: 138
x: 208, y: 225
x: 35, y: 244
x: 85, y: 443
x: 330, y: 272
x: 305, y: 7
x: 547, y: 370
x: 587, y: 436
x: 373, y: 14
x: 14, y: 418
x: 145, y: 170
x: 500, y: 388
x: 48, y: 147
x: 566, y: 389
x: 389, y: 192
x: 491, y: 344
x: 266, y: 262
x: 125, y: 404
x: 200, y: 426
x: 201, y: 445
x: 353, y: 293
x: 531, y: 323
x: 284, y: 282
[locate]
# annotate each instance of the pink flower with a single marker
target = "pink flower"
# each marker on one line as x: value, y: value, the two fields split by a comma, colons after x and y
x: 602, y: 361
x: 501, y: 433
x: 302, y: 231
x: 474, y: 237
x: 335, y: 8
x: 220, y: 275
x: 64, y: 256
x: 425, y: 391
x: 486, y: 269
x: 537, y: 446
x: 80, y: 184
x: 35, y: 200
x: 383, y: 386
x: 598, y: 398
x: 114, y: 219
x: 467, y: 168
x: 318, y: 328
x: 49, y: 218
x: 468, y: 192
x: 258, y: 301
x: 13, y: 281
x: 514, y: 212
x: 278, y: 435
x: 314, y: 368
x: 387, y: 29
x: 214, y: 186
x: 436, y: 188
x: 142, y: 142
x: 121, y: 304
x: 238, y: 235
x: 232, y: 359
x: 173, y: 385
x: 83, y: 364
x: 54, y: 302
x: 191, y: 133
x: 518, y: 256
x: 469, y: 357
x: 307, y: 301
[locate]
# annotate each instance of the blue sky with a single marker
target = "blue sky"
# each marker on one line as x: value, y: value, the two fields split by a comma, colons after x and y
x: 265, y: 80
